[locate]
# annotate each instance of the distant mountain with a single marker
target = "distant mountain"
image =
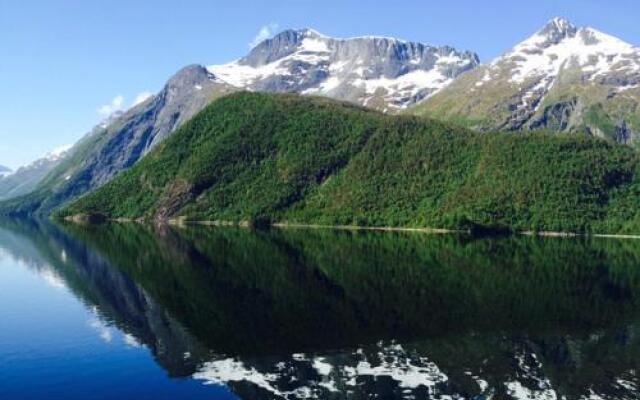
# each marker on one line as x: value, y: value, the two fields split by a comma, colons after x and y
x: 562, y: 78
x: 27, y: 178
x: 383, y: 73
x: 4, y: 171
x: 261, y: 158
x: 378, y: 72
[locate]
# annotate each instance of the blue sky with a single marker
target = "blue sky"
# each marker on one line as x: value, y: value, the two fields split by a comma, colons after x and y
x: 63, y: 61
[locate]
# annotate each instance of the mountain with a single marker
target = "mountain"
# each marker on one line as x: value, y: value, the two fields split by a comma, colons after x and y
x: 27, y: 178
x: 4, y: 171
x: 261, y: 158
x: 118, y: 142
x: 562, y: 78
x: 378, y: 72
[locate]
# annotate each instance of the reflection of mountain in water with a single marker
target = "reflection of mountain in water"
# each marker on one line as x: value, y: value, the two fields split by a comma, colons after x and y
x: 324, y: 314
x: 116, y: 299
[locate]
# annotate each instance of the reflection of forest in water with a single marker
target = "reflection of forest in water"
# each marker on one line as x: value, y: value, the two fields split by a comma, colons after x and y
x: 318, y: 313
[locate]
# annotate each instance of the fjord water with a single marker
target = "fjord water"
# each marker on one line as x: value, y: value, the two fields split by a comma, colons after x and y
x: 128, y: 311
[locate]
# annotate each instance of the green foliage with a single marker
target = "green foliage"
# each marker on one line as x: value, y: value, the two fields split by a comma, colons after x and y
x: 260, y: 157
x: 596, y: 116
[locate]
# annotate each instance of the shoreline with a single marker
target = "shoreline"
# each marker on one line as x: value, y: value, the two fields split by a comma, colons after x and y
x: 285, y: 225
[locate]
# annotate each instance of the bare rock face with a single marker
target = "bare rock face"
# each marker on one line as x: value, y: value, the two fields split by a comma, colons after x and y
x: 379, y: 72
x: 121, y: 141
x: 141, y: 128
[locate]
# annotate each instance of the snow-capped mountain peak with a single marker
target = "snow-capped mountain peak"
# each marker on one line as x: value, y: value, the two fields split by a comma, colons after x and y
x: 381, y: 72
x: 557, y: 29
x: 561, y: 45
x: 563, y: 77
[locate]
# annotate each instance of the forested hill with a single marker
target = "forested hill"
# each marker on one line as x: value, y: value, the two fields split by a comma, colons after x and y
x: 274, y: 158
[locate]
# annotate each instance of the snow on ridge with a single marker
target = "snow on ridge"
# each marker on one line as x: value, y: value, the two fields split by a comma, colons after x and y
x: 405, y: 86
x: 58, y: 151
x: 595, y: 52
x: 313, y: 32
x: 338, y: 71
x: 314, y: 45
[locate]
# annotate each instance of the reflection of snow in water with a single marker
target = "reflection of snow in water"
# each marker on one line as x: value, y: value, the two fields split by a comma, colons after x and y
x: 51, y: 277
x: 530, y: 370
x: 391, y: 365
x: 130, y: 341
x: 105, y: 332
x: 385, y: 371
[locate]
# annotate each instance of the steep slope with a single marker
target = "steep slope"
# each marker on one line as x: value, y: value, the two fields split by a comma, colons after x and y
x: 118, y: 143
x: 378, y: 72
x: 27, y: 178
x: 259, y: 157
x: 562, y: 78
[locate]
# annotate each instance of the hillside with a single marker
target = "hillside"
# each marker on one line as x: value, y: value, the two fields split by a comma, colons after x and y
x: 378, y: 72
x: 27, y: 178
x: 259, y: 157
x: 119, y: 142
x: 564, y: 77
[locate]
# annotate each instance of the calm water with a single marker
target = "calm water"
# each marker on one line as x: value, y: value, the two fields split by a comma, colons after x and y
x: 129, y: 312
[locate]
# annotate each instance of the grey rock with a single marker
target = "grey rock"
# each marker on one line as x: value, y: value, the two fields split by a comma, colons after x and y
x: 305, y: 61
x: 119, y: 143
x: 557, y: 30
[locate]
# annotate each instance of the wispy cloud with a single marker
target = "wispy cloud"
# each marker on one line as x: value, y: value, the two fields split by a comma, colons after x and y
x: 264, y: 33
x: 116, y: 104
x: 141, y: 97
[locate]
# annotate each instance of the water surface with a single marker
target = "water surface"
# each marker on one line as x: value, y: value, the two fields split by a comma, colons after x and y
x: 127, y: 311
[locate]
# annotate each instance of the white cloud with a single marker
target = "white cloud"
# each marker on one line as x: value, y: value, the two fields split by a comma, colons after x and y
x: 141, y: 97
x: 103, y: 330
x: 116, y: 104
x: 264, y: 33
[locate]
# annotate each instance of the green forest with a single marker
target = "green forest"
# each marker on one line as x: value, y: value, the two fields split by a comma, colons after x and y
x: 266, y: 158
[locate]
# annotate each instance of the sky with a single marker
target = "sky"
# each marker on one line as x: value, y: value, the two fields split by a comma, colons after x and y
x: 65, y: 64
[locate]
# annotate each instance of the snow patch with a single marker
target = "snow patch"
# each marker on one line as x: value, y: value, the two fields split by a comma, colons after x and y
x: 594, y: 52
x: 314, y: 45
x: 332, y: 70
x: 58, y: 152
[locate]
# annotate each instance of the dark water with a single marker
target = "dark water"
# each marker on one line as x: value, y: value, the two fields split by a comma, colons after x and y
x: 129, y: 312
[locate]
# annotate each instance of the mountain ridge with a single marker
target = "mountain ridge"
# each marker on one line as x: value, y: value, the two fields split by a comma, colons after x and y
x: 375, y: 71
x: 119, y: 142
x: 380, y: 73
x: 563, y: 77
x: 26, y: 178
